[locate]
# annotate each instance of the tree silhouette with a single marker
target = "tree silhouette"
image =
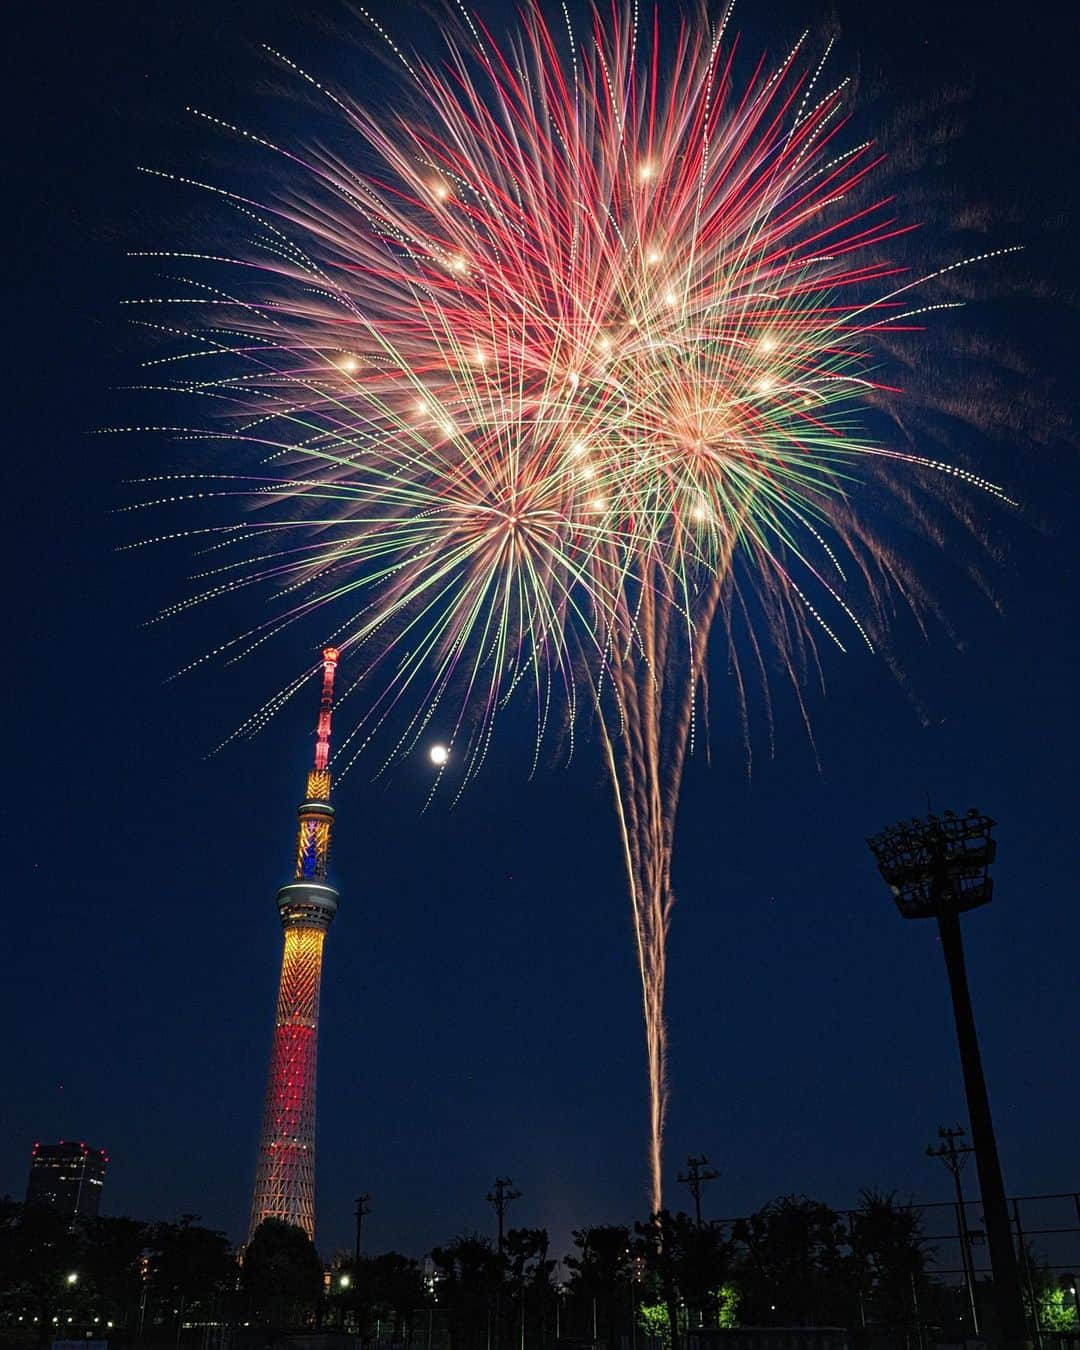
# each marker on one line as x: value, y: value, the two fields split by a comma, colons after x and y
x: 528, y: 1271
x: 38, y: 1250
x: 111, y: 1262
x: 282, y: 1274
x: 665, y: 1244
x: 469, y: 1281
x: 392, y: 1287
x: 704, y: 1264
x: 888, y: 1256
x: 601, y: 1271
x: 793, y: 1270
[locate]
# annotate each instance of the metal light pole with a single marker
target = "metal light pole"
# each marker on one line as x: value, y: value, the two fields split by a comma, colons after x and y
x: 938, y: 868
x: 1072, y: 1284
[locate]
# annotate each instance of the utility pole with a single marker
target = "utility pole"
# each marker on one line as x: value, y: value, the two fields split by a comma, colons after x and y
x: 955, y: 1156
x: 698, y: 1174
x: 938, y: 868
x: 362, y: 1208
x: 500, y: 1198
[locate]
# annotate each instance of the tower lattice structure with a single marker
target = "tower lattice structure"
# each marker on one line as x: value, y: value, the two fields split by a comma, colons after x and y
x: 285, y: 1172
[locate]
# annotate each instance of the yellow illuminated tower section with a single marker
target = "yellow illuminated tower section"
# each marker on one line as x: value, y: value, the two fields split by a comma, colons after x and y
x: 285, y: 1172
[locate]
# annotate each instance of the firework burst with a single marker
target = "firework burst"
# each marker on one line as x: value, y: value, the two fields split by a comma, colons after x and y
x: 572, y: 353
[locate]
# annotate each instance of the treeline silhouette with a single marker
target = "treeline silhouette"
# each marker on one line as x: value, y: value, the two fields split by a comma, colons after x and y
x: 668, y: 1283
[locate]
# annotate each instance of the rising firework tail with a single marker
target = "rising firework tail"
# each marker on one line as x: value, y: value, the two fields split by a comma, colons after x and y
x: 563, y: 366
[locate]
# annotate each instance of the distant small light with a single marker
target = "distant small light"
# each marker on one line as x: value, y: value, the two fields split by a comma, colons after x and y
x: 767, y: 343
x: 646, y: 171
x: 439, y: 755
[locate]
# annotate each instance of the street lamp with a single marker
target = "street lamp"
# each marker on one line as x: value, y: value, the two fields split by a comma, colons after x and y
x: 73, y: 1278
x: 936, y: 869
x: 1071, y: 1283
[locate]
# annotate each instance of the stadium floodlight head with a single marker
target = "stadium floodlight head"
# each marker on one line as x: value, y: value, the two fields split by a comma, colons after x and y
x: 940, y: 863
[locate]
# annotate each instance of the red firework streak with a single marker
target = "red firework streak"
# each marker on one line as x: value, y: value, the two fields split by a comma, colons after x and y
x: 285, y: 1173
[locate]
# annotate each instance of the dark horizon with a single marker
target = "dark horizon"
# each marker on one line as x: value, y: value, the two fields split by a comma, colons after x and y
x: 480, y: 1011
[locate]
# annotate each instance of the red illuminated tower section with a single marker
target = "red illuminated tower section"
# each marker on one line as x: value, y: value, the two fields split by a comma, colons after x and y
x: 285, y: 1173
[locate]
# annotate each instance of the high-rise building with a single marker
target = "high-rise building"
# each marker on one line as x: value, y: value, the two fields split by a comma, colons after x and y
x: 67, y: 1177
x: 285, y: 1171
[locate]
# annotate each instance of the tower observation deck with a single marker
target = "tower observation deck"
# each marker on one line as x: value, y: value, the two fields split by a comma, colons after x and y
x: 285, y: 1171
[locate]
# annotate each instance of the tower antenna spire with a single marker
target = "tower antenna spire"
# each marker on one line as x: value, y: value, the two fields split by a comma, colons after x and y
x: 330, y: 658
x: 316, y: 813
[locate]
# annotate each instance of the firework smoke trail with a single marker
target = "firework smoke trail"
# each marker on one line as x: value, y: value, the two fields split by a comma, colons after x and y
x: 570, y: 359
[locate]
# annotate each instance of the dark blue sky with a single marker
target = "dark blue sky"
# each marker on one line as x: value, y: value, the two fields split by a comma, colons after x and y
x: 480, y: 1010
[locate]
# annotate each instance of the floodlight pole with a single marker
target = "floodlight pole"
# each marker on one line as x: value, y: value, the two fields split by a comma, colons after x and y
x: 999, y: 1236
x: 933, y: 869
x: 995, y: 1206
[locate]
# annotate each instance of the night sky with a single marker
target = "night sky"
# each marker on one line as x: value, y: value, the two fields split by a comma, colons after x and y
x: 480, y: 1007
